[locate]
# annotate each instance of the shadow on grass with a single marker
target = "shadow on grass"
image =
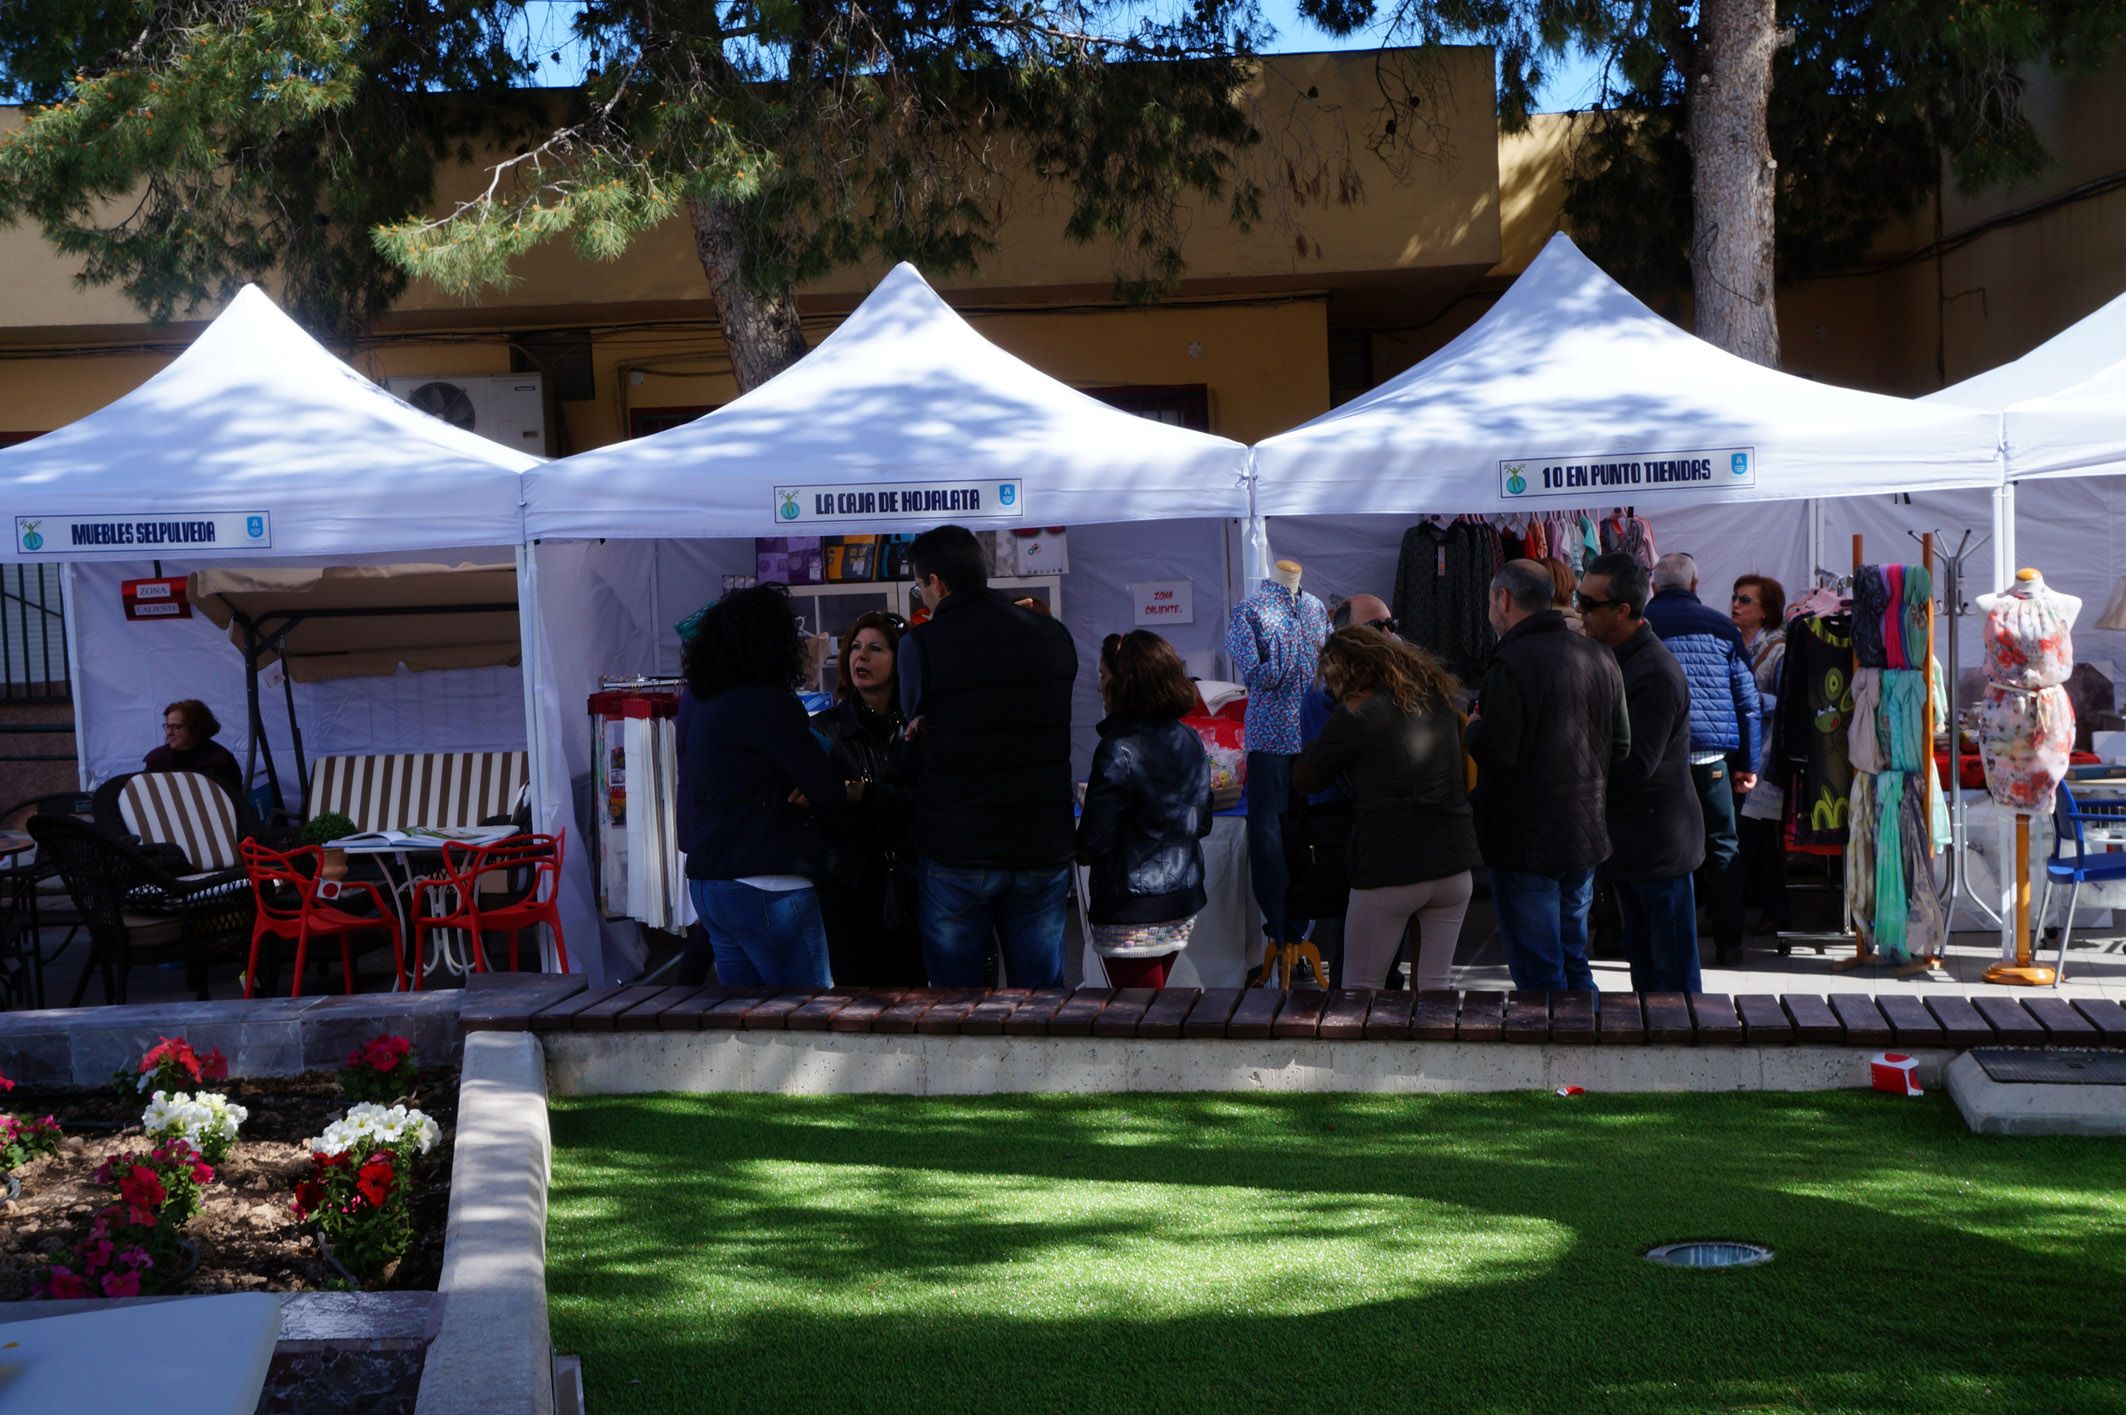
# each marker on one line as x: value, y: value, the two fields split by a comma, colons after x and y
x: 1328, y: 1252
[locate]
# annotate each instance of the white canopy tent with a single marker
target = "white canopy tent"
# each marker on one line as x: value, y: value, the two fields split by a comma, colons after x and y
x: 901, y: 419
x: 256, y: 444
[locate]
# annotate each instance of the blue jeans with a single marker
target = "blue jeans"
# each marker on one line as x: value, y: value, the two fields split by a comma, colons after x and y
x: 1543, y: 924
x: 1660, y: 918
x: 1723, y: 854
x: 960, y: 909
x: 763, y: 938
x: 1269, y: 793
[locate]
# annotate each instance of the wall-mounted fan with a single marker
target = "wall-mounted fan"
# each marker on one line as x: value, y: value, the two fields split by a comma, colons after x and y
x: 446, y: 401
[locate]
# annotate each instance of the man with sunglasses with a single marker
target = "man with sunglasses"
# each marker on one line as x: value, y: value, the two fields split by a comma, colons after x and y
x: 1656, y: 828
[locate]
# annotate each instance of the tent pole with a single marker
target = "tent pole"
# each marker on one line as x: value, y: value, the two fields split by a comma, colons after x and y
x: 258, y: 718
x: 295, y: 730
x: 68, y: 605
x: 533, y: 672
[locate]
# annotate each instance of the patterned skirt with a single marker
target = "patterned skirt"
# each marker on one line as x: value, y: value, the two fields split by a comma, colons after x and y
x: 1142, y: 940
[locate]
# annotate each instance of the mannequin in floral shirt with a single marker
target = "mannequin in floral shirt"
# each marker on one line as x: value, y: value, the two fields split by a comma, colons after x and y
x: 1274, y: 640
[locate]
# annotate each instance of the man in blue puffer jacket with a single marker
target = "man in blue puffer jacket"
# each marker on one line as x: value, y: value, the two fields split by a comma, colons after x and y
x: 1724, y: 721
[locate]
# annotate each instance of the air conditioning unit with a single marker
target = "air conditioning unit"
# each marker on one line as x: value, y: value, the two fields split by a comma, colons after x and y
x: 508, y: 407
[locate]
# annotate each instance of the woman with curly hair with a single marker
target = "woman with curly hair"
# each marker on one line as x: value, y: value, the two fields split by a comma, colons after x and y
x: 869, y: 898
x: 1394, y: 745
x: 757, y: 785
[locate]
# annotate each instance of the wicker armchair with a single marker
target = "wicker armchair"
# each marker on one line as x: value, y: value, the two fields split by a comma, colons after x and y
x: 137, y: 910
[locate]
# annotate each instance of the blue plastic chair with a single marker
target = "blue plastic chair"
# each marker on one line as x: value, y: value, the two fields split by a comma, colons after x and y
x: 2070, y: 819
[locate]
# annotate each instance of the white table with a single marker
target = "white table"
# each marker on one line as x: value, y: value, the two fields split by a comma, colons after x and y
x: 452, y: 950
x: 1989, y: 831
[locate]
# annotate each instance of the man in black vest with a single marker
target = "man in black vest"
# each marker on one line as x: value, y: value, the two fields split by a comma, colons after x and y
x: 1656, y: 827
x: 986, y: 687
x: 1551, y: 723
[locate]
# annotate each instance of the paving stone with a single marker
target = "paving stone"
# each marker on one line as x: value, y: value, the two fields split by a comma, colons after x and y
x: 1961, y: 1024
x: 1911, y: 1025
x: 988, y: 1017
x: 1572, y: 1018
x: 1256, y: 1014
x: 1482, y: 1018
x: 1123, y: 1012
x: 2010, y: 1023
x: 774, y: 1013
x: 1344, y: 1017
x: 949, y: 1011
x: 1713, y: 1014
x: 1300, y: 1017
x: 900, y: 1019
x: 506, y: 1002
x: 1076, y: 1016
x: 1213, y: 1010
x: 1168, y: 1010
x: 1388, y: 1019
x: 2107, y: 1016
x: 1814, y: 1022
x: 1667, y: 1018
x: 1432, y: 1014
x: 814, y: 1015
x: 1764, y: 1021
x: 863, y: 1010
x: 1864, y: 1024
x: 685, y: 1015
x: 560, y: 1015
x: 1621, y: 1019
x: 648, y: 1015
x: 2067, y: 1027
x: 1527, y: 1017
x: 1030, y: 1017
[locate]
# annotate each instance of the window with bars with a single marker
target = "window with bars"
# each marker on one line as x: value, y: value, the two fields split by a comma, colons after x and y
x: 33, y: 666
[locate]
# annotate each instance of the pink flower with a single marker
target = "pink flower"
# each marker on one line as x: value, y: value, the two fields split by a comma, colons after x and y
x: 5, y: 1084
x: 121, y: 1284
x: 61, y: 1282
x: 143, y: 1189
x: 214, y: 1066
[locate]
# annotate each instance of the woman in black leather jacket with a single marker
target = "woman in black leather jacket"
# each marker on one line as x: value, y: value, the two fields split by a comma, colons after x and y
x: 869, y: 896
x: 1147, y: 809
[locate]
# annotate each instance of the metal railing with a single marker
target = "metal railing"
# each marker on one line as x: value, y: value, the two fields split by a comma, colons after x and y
x: 33, y: 656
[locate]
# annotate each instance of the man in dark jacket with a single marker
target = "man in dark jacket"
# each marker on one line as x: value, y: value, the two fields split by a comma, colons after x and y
x: 985, y: 687
x: 1550, y: 723
x: 1725, y: 713
x: 1656, y: 830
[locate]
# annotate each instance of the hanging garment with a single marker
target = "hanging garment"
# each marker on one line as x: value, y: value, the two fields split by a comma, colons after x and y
x: 1811, y: 719
x: 1864, y: 738
x: 1902, y: 728
x: 1860, y: 857
x: 1871, y: 601
x: 1442, y: 592
x: 1926, y: 928
x: 1888, y: 905
x: 2026, y: 723
x: 1893, y: 617
x: 1918, y: 599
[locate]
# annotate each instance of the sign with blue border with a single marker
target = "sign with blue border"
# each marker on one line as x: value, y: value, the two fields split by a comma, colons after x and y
x: 1607, y: 476
x: 165, y: 533
x: 905, y: 501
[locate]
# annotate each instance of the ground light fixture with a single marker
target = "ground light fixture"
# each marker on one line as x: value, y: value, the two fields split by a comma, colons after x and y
x: 1709, y: 1253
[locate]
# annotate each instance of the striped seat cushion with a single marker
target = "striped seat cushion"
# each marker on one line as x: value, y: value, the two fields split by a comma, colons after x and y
x: 184, y: 809
x: 418, y: 788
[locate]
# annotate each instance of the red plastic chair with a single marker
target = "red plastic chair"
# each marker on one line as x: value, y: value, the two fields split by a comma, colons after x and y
x: 464, y: 866
x: 274, y: 873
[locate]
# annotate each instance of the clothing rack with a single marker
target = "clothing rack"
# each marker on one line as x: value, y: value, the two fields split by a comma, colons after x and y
x: 1958, y: 884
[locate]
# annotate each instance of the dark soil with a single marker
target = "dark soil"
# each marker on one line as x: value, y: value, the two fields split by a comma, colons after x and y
x: 247, y: 1236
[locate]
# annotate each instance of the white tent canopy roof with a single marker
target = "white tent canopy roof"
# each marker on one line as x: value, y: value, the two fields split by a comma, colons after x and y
x: 2063, y: 403
x: 903, y: 397
x: 256, y: 417
x: 1569, y: 375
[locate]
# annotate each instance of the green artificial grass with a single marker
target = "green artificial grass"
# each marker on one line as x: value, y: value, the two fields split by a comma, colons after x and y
x: 1335, y: 1253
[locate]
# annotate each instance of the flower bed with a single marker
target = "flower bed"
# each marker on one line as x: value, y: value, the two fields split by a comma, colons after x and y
x: 247, y: 1232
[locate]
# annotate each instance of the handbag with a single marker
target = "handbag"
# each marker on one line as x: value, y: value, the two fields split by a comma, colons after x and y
x: 1317, y: 841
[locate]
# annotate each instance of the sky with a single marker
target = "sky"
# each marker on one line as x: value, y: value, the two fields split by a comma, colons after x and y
x: 1573, y: 86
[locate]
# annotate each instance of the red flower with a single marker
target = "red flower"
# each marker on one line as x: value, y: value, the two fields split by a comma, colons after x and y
x: 62, y: 1283
x: 374, y: 1181
x: 179, y: 1052
x: 202, y: 1173
x: 142, y: 1189
x: 121, y: 1284
x: 5, y: 1084
x: 214, y: 1066
x: 308, y: 1195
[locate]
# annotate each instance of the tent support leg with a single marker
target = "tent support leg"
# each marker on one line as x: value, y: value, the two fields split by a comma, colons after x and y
x: 295, y: 730
x: 258, y: 719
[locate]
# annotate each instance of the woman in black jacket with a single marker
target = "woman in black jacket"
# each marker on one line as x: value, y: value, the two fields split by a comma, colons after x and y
x: 1147, y: 809
x: 1394, y: 744
x: 869, y: 895
x: 758, y: 787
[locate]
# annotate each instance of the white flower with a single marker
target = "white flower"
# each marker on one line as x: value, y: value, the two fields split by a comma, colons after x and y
x: 196, y: 1118
x: 370, y: 1126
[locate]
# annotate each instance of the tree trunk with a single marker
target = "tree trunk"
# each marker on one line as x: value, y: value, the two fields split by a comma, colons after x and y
x: 1729, y: 84
x: 761, y: 331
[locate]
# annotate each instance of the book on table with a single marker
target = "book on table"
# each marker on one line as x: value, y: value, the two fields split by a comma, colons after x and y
x: 424, y: 837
